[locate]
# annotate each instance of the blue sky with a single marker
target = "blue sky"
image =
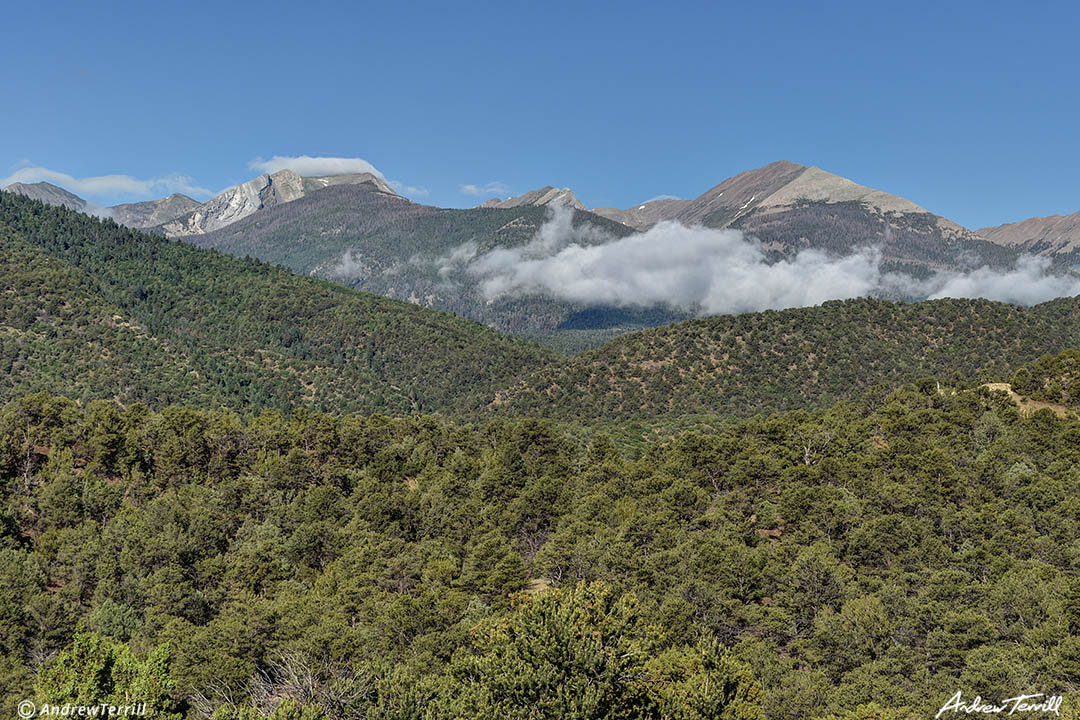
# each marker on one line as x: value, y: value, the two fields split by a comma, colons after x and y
x: 969, y: 109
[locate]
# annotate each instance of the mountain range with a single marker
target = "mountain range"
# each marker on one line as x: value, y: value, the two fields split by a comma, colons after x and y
x: 239, y: 487
x: 219, y: 474
x: 355, y: 230
x: 788, y: 207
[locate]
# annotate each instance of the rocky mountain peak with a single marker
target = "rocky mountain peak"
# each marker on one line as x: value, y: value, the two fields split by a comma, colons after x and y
x: 316, y: 183
x: 49, y: 194
x: 546, y: 195
x: 151, y: 213
x: 265, y: 191
x: 238, y: 202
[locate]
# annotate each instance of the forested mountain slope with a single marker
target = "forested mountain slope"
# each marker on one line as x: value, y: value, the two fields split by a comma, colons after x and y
x: 382, y: 243
x: 92, y: 309
x: 885, y: 552
x: 776, y: 360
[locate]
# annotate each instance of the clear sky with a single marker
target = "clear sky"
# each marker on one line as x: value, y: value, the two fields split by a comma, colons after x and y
x: 970, y: 109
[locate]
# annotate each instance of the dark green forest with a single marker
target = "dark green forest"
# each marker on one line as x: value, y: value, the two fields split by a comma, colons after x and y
x: 91, y: 309
x: 1052, y: 378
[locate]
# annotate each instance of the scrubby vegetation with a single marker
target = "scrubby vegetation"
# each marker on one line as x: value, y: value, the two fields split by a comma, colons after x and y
x: 739, y: 365
x: 887, y: 551
x: 194, y: 518
x: 1053, y: 378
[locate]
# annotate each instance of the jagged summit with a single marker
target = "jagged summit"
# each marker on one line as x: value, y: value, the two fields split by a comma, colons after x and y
x: 179, y: 215
x: 151, y: 213
x: 546, y: 195
x: 238, y: 202
x: 265, y: 191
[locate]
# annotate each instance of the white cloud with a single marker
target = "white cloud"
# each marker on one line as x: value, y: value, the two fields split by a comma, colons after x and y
x: 718, y: 272
x: 310, y: 166
x: 404, y: 189
x: 458, y: 258
x: 109, y: 185
x: 1027, y: 283
x: 350, y: 266
x: 488, y: 190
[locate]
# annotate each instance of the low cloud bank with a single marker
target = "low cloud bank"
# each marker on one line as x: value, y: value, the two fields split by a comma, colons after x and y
x: 1028, y: 283
x: 719, y: 272
x: 312, y: 166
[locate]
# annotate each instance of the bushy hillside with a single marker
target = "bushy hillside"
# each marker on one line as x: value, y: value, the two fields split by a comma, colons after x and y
x: 886, y: 553
x: 1052, y: 378
x: 92, y: 309
x: 776, y: 360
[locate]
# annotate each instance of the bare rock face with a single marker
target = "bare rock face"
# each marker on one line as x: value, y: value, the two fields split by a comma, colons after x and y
x: 739, y: 195
x: 153, y: 212
x: 263, y: 192
x: 238, y: 202
x: 546, y: 195
x: 48, y: 194
x: 178, y: 215
x: 137, y: 215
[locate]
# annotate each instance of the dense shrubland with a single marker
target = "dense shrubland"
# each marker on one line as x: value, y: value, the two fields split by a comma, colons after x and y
x: 1053, y: 378
x: 888, y: 551
x: 739, y: 365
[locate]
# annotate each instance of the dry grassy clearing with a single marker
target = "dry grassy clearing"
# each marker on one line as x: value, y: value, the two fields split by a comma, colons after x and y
x: 1027, y: 405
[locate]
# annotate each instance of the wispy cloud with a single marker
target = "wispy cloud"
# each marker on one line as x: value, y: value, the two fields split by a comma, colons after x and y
x: 404, y: 189
x: 308, y: 165
x: 492, y: 188
x: 719, y: 271
x: 109, y: 186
